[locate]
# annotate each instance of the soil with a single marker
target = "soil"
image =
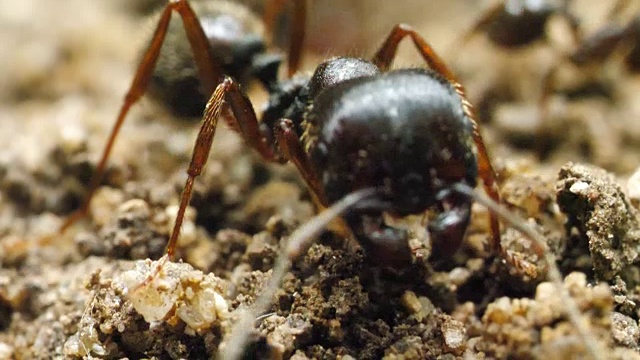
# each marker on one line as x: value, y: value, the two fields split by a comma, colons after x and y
x: 73, y: 295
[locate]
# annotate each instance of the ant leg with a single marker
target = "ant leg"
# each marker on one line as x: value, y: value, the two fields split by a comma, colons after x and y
x: 572, y: 20
x: 210, y: 75
x: 297, y: 30
x: 383, y: 59
x: 244, y: 121
x: 293, y: 150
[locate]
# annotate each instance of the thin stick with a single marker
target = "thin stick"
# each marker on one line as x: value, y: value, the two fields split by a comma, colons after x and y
x: 553, y: 273
x: 298, y: 243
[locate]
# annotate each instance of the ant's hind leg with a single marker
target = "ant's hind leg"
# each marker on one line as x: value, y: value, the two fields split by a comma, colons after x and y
x: 210, y: 75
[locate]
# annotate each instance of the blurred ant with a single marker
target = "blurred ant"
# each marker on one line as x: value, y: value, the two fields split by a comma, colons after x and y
x: 593, y: 51
x: 223, y: 42
x: 512, y: 24
x: 238, y: 45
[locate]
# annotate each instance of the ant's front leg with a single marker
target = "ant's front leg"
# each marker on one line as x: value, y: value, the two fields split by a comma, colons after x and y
x: 244, y: 120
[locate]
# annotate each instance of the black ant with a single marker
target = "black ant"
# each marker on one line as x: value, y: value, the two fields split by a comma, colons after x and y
x: 368, y: 141
x: 223, y: 42
x: 592, y: 52
x: 515, y: 24
x: 355, y: 125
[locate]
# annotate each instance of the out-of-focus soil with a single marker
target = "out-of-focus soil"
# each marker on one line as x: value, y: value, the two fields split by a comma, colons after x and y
x: 65, y: 70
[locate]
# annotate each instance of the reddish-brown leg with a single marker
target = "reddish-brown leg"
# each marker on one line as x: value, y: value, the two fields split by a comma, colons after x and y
x: 383, y: 59
x: 292, y: 150
x: 244, y: 121
x: 210, y: 75
x: 297, y: 31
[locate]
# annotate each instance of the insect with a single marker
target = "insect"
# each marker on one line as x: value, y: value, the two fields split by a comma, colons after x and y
x: 594, y: 50
x: 402, y: 140
x: 408, y: 133
x: 514, y: 24
x: 223, y: 41
x: 591, y: 54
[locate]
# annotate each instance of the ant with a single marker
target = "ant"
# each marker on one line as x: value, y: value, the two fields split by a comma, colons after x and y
x: 513, y: 24
x: 370, y: 140
x: 367, y: 141
x: 593, y: 52
x: 595, y: 49
x: 223, y: 41
x: 238, y: 45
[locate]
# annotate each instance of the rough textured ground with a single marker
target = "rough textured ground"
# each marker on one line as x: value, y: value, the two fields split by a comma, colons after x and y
x: 65, y: 70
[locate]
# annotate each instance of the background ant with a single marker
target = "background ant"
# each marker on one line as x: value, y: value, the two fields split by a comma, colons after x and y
x: 226, y: 30
x: 534, y: 74
x: 514, y: 24
x: 588, y: 60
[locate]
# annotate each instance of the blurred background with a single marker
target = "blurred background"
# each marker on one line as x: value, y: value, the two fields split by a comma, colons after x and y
x: 66, y: 65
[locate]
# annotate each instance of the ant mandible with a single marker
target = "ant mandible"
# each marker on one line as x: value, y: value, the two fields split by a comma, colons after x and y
x: 224, y: 44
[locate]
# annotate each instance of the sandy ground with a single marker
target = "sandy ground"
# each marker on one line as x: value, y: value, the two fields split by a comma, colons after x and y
x: 65, y: 69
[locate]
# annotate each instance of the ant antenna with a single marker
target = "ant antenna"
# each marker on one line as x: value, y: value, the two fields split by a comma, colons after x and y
x: 297, y: 244
x: 553, y: 272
